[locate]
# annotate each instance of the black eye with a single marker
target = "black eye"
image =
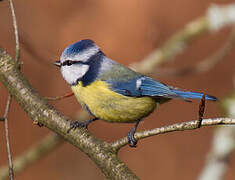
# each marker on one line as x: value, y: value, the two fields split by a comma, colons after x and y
x: 67, y: 63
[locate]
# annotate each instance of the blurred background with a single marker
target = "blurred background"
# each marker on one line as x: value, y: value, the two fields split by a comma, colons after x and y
x: 126, y: 31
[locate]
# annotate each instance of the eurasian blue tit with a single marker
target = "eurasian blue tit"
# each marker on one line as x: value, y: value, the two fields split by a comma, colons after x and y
x: 111, y: 91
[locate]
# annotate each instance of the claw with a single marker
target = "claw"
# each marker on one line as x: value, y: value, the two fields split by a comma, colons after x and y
x: 131, y: 139
x: 77, y: 124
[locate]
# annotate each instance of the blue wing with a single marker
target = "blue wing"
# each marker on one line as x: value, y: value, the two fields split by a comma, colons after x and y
x: 146, y: 86
x: 143, y: 86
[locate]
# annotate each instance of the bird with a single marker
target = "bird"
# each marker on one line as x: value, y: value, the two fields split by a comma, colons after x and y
x: 111, y: 91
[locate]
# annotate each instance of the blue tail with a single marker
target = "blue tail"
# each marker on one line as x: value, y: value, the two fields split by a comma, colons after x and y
x: 192, y: 95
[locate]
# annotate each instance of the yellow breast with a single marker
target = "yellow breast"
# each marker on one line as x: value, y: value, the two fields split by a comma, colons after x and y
x: 111, y: 106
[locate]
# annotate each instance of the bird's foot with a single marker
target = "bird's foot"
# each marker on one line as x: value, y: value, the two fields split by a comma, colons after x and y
x: 131, y: 135
x: 131, y: 139
x: 77, y: 124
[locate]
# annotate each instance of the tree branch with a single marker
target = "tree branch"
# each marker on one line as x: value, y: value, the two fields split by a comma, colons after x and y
x: 102, y: 153
x: 189, y: 125
x: 38, y: 151
x: 39, y: 111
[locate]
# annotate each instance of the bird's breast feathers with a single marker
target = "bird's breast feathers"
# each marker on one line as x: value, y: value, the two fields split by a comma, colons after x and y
x: 110, y: 105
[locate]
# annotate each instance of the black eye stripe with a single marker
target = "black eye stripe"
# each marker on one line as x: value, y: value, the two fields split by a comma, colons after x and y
x: 69, y: 63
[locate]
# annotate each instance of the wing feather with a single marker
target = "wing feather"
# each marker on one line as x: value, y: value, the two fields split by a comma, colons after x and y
x: 143, y: 86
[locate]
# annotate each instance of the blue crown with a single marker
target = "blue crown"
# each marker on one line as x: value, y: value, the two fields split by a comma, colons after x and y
x: 78, y: 47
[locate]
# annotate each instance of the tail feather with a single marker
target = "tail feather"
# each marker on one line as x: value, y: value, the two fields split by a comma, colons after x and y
x: 193, y: 95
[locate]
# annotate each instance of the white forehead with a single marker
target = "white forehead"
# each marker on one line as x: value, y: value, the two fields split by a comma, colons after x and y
x: 83, y: 56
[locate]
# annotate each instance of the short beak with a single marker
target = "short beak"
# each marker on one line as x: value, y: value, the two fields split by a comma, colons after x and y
x: 57, y: 63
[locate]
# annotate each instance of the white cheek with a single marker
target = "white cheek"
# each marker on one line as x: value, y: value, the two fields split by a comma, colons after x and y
x: 74, y: 72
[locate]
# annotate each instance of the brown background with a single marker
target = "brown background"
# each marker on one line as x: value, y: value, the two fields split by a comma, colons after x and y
x: 126, y: 31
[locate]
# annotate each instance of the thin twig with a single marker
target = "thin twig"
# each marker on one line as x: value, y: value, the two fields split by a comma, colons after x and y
x: 37, y: 151
x: 33, y: 154
x: 17, y: 56
x: 11, y: 172
x: 55, y: 98
x: 189, y: 125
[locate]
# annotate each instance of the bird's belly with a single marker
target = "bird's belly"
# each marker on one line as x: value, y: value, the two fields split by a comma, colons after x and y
x: 111, y: 106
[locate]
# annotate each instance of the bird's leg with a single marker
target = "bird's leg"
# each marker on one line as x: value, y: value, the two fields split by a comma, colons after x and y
x: 76, y: 124
x: 131, y: 139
